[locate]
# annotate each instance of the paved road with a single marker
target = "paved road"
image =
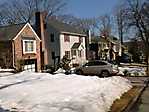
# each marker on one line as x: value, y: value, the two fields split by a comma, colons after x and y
x: 143, y: 103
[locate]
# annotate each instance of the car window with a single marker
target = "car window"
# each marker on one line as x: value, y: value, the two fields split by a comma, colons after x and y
x: 89, y: 64
x: 100, y: 63
x: 94, y: 63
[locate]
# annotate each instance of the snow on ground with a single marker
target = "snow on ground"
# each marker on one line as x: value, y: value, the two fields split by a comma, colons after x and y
x: 42, y: 92
x: 60, y: 70
x: 132, y: 71
x: 6, y: 70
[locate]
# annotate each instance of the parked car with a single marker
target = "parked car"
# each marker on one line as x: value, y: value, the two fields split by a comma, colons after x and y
x: 97, y: 67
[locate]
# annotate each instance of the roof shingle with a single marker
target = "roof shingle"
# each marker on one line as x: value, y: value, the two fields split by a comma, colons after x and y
x: 76, y: 45
x: 63, y: 27
x: 9, y: 32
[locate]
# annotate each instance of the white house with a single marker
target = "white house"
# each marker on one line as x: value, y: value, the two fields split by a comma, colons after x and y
x: 60, y: 39
x: 66, y: 40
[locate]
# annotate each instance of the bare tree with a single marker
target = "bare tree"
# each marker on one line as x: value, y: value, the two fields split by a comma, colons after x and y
x: 18, y: 11
x: 120, y: 21
x: 105, y: 26
x: 137, y: 16
x: 102, y: 23
x: 84, y: 23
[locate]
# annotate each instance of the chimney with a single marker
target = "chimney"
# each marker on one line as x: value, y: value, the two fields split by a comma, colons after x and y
x: 39, y: 24
x: 40, y: 30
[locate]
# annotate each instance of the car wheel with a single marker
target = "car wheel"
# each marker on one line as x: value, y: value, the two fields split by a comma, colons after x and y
x: 80, y: 72
x: 105, y: 73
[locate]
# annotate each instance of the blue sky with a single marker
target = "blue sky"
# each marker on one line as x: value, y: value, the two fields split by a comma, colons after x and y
x: 90, y: 8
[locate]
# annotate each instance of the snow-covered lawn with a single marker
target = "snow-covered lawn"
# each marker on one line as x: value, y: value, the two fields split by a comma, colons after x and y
x: 132, y: 71
x: 42, y: 92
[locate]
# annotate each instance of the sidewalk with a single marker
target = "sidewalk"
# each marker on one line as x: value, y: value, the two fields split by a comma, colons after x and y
x: 143, y: 103
x: 129, y: 99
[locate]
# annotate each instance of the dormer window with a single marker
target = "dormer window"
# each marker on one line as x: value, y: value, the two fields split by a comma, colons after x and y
x: 29, y: 46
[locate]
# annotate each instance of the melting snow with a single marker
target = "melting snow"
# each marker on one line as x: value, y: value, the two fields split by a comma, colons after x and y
x: 135, y: 71
x: 43, y: 92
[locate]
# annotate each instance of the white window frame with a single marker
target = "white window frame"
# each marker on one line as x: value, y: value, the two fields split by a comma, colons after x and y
x: 67, y: 54
x: 34, y: 46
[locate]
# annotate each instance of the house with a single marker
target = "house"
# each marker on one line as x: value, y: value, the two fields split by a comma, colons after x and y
x: 105, y: 48
x: 59, y: 40
x: 19, y: 47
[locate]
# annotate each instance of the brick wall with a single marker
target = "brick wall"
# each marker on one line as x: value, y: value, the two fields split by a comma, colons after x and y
x: 18, y: 48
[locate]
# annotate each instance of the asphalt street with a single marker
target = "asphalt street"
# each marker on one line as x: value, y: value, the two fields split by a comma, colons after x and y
x: 142, y: 105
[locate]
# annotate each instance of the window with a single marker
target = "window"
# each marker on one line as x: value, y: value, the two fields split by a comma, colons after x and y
x: 67, y: 54
x: 89, y: 64
x: 74, y: 53
x: 80, y: 39
x: 29, y: 46
x: 102, y: 63
x: 52, y: 37
x: 53, y: 55
x: 66, y: 38
x: 95, y: 63
x: 82, y: 53
x: 79, y: 53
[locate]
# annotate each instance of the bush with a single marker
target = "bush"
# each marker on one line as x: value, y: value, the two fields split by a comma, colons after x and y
x: 64, y: 63
x: 125, y: 72
x: 19, y: 66
x: 49, y: 69
x: 75, y: 65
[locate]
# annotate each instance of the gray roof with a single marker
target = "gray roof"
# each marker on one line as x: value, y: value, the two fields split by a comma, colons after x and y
x: 63, y: 27
x: 104, y: 40
x: 76, y: 45
x: 9, y: 32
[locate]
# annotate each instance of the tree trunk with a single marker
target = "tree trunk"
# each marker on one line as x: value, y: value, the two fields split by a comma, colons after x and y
x: 147, y: 70
x: 147, y: 63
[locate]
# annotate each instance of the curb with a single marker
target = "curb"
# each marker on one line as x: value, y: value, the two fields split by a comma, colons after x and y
x: 133, y: 101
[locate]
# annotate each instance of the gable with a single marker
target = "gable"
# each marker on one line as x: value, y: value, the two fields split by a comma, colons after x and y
x: 27, y: 30
x: 78, y: 46
x: 11, y: 32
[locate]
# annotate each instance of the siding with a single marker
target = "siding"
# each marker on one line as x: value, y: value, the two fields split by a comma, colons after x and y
x: 66, y: 46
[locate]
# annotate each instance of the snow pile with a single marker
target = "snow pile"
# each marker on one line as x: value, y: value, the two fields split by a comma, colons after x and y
x: 6, y: 70
x: 41, y: 92
x: 135, y: 71
x: 60, y: 70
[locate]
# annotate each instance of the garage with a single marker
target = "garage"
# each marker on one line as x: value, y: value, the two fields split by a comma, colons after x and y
x: 30, y: 65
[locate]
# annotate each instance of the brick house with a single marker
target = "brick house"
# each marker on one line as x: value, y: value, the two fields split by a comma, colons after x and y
x: 19, y: 45
x: 60, y: 39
